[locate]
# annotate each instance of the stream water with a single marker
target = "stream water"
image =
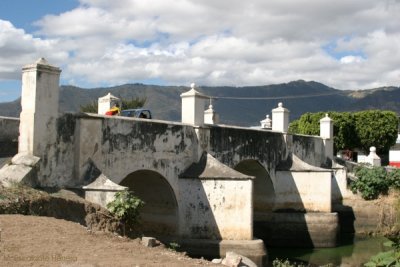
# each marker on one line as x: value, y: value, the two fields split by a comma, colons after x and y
x: 353, y: 251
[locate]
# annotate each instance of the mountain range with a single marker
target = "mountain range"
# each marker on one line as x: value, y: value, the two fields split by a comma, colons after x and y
x: 242, y: 106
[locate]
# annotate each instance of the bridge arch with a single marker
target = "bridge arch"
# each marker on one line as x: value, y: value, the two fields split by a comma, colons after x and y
x: 159, y: 216
x: 263, y: 186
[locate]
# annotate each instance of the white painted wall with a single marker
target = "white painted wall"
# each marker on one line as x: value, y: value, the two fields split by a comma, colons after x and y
x: 39, y: 102
x: 216, y: 209
x: 193, y: 104
x: 280, y: 119
x: 308, y: 191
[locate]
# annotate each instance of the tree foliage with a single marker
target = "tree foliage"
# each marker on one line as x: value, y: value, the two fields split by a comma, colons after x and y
x: 90, y: 107
x: 353, y: 130
x: 133, y: 103
x: 376, y: 128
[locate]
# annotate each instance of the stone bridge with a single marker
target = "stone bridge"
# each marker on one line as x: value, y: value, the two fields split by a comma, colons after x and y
x: 218, y: 185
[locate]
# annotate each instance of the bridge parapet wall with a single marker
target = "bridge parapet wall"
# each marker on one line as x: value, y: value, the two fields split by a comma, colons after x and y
x: 231, y: 145
x: 310, y: 149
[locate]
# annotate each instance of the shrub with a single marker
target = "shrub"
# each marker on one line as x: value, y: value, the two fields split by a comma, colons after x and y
x: 371, y: 182
x: 393, y: 177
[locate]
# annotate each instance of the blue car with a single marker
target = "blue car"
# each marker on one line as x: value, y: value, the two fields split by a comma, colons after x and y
x: 137, y: 113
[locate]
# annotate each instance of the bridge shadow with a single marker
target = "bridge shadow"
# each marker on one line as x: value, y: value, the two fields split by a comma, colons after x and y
x: 159, y: 216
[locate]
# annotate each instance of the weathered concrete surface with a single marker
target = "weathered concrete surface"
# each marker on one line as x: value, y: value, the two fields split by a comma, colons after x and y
x: 294, y: 229
x: 303, y: 191
x: 39, y: 102
x: 218, y: 202
x: 302, y: 187
x: 232, y: 145
x: 102, y: 191
x: 88, y: 145
x: 309, y: 149
x: 22, y: 169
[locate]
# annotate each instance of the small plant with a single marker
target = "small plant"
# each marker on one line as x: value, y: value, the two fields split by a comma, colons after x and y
x: 285, y: 263
x: 126, y: 207
x: 173, y: 246
x: 388, y: 258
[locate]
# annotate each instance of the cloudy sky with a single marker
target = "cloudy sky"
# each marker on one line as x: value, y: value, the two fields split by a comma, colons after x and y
x: 346, y: 44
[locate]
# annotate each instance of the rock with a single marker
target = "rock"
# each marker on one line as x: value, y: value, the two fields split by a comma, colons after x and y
x: 217, y: 261
x: 13, y: 174
x: 246, y: 262
x: 25, y: 159
x: 232, y: 259
x: 149, y: 241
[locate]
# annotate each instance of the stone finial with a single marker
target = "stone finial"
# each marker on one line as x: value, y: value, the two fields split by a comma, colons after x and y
x: 280, y: 118
x: 373, y: 158
x: 266, y: 123
x: 326, y: 127
x: 210, y: 116
x: 42, y: 61
x: 193, y: 104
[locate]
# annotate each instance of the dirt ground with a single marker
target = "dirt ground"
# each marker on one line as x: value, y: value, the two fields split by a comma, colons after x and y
x: 45, y: 241
x: 46, y: 228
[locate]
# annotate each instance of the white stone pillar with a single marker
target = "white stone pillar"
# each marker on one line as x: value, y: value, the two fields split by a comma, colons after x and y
x: 106, y: 102
x: 210, y: 116
x: 193, y: 104
x: 373, y: 158
x: 326, y: 132
x: 266, y: 123
x: 39, y: 102
x: 280, y: 119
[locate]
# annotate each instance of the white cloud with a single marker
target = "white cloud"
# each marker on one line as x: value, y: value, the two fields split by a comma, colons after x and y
x: 351, y: 59
x: 212, y: 42
x: 18, y: 48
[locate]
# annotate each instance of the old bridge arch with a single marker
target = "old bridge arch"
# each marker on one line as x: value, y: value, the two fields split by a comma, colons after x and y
x: 263, y: 187
x: 159, y: 216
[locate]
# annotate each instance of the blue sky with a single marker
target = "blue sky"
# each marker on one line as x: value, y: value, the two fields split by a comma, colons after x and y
x: 343, y: 44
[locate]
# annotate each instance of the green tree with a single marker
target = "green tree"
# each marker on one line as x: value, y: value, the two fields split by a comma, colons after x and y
x: 376, y: 128
x: 343, y: 128
x: 90, y: 107
x: 353, y: 130
x: 136, y: 102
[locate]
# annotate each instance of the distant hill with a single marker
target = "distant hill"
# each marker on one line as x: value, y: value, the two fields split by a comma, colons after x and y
x: 244, y: 106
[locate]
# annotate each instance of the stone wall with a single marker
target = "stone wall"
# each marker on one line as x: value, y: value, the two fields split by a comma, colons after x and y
x: 231, y: 145
x: 213, y: 210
